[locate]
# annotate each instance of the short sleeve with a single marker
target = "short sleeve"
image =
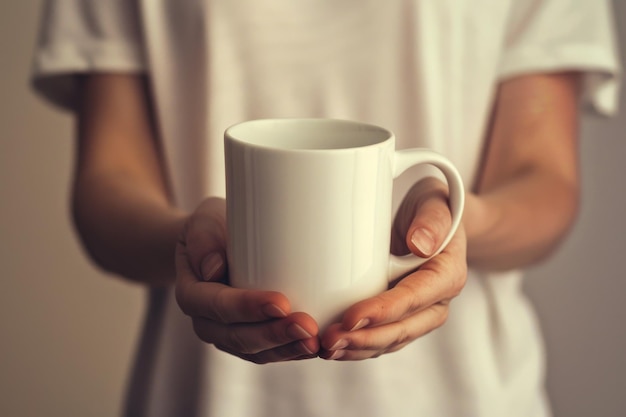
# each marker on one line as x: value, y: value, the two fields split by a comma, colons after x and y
x: 561, y: 35
x: 80, y: 36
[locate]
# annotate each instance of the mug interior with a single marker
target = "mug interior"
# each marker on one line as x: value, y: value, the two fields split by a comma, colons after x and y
x: 308, y: 134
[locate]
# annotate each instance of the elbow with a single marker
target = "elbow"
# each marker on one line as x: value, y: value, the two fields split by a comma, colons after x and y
x: 112, y: 249
x: 91, y: 241
x: 96, y: 235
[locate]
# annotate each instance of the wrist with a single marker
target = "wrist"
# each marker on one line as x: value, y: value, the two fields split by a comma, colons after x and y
x: 476, y: 217
x: 480, y: 219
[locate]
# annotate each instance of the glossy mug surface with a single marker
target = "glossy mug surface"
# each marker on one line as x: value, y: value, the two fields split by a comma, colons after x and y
x: 309, y: 210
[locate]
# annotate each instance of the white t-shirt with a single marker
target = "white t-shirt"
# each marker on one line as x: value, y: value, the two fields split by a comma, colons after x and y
x: 427, y: 70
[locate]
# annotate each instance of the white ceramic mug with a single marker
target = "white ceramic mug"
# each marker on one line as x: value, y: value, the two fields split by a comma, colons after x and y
x: 309, y: 210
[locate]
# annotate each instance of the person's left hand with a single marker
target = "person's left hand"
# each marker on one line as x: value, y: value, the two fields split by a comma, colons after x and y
x: 417, y: 303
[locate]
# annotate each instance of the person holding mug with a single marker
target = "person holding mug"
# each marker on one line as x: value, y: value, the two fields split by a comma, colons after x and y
x: 493, y: 87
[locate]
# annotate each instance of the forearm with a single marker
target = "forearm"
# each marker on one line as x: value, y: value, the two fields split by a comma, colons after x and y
x: 127, y: 229
x: 521, y: 221
x: 121, y: 203
x: 526, y: 195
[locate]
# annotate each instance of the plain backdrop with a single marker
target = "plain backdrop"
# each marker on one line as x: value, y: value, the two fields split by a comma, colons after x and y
x: 68, y: 331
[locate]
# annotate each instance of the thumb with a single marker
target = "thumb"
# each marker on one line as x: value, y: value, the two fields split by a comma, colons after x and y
x: 430, y: 225
x: 204, y: 238
x: 213, y: 266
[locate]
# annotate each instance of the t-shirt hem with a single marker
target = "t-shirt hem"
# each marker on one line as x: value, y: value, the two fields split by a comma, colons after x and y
x: 54, y: 69
x: 601, y: 69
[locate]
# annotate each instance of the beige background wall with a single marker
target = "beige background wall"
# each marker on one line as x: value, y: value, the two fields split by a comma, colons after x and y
x: 67, y: 331
x: 580, y: 293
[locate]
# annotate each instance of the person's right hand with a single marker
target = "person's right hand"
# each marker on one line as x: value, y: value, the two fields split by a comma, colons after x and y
x: 257, y: 326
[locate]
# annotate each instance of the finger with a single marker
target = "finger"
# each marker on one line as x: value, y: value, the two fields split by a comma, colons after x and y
x: 358, y: 355
x: 294, y: 351
x: 382, y: 339
x: 205, y: 239
x: 430, y: 225
x: 412, y: 294
x: 213, y: 266
x: 252, y: 338
x: 221, y: 303
x: 425, y: 206
x: 227, y: 305
x: 441, y: 278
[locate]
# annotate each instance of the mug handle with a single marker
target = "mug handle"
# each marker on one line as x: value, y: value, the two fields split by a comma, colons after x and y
x: 404, y: 159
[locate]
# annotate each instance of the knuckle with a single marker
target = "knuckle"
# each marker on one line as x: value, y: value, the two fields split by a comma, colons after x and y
x: 403, y: 335
x: 410, y: 293
x: 440, y: 219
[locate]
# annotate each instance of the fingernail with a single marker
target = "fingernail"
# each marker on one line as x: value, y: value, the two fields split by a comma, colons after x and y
x: 210, y: 265
x: 305, y: 349
x: 297, y: 332
x: 340, y: 344
x: 360, y: 324
x: 424, y: 241
x: 273, y: 311
x: 337, y: 354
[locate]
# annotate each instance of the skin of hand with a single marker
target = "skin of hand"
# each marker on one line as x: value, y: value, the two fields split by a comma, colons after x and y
x: 416, y: 304
x: 257, y: 326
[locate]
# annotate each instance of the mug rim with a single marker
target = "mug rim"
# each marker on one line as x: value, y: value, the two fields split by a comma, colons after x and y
x: 384, y: 135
